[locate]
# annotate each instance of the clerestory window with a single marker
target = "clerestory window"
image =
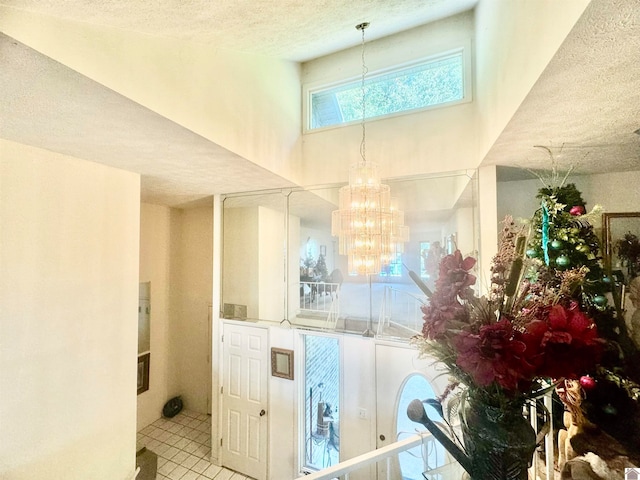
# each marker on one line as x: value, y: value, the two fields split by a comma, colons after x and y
x: 436, y: 81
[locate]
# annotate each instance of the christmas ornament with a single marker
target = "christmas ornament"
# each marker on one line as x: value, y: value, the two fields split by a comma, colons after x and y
x: 556, y: 244
x: 577, y: 210
x: 563, y: 261
x: 587, y: 382
x: 532, y: 253
x: 600, y: 300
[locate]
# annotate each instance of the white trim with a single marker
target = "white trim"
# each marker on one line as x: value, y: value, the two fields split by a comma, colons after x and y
x: 309, y: 89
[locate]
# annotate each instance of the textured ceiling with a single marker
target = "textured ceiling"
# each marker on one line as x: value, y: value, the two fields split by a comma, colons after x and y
x: 588, y: 98
x: 73, y: 115
x: 289, y: 29
x: 585, y: 107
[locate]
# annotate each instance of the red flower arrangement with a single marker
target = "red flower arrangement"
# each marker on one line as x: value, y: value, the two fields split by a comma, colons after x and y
x: 502, y: 345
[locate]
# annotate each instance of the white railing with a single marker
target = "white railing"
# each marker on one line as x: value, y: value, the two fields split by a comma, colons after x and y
x: 400, y: 309
x: 317, y: 297
x: 343, y: 469
x: 448, y: 471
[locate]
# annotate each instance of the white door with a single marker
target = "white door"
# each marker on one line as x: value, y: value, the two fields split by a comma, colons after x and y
x: 244, y: 400
x: 396, y: 367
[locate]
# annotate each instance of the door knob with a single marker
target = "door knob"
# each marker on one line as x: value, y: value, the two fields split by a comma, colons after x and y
x: 383, y: 438
x: 262, y: 413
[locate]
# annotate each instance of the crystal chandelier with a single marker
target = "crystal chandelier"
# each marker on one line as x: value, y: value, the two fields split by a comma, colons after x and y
x: 368, y: 224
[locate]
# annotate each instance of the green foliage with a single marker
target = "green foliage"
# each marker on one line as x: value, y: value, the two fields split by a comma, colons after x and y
x: 567, y: 195
x: 440, y: 83
x: 571, y: 242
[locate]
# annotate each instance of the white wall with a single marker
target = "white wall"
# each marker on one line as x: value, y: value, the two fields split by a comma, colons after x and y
x: 404, y: 145
x: 234, y: 99
x: 155, y: 262
x: 515, y: 40
x: 254, y: 248
x: 193, y: 288
x: 615, y: 192
x: 283, y: 411
x: 69, y: 238
x: 271, y: 277
x: 240, y: 262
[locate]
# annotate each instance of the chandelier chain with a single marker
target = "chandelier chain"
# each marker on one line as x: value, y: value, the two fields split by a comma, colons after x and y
x: 362, y: 27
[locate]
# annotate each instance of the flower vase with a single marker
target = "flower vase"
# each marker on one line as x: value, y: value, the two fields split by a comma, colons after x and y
x: 499, y: 442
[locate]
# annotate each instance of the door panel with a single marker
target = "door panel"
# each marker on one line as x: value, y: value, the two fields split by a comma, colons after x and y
x: 244, y: 399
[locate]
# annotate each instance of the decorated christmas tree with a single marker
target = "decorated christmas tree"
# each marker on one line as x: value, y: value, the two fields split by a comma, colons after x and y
x: 321, y: 268
x: 562, y: 242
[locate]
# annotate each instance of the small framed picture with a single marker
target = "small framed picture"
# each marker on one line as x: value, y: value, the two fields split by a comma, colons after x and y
x: 143, y: 372
x: 323, y: 250
x: 282, y: 363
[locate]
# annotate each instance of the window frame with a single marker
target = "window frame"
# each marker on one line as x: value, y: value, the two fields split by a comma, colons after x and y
x: 467, y: 91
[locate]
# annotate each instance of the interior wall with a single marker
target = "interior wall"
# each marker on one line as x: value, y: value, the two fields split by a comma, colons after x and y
x: 211, y: 91
x: 194, y: 289
x: 69, y: 243
x: 283, y: 411
x: 271, y: 274
x: 240, y: 258
x: 425, y: 141
x: 613, y: 191
x: 155, y: 267
x: 510, y: 37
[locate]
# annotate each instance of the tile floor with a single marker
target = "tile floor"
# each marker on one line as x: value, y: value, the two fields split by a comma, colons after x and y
x: 183, y: 446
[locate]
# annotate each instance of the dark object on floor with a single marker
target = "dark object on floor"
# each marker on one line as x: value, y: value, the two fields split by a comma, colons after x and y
x: 172, y: 407
x: 148, y: 463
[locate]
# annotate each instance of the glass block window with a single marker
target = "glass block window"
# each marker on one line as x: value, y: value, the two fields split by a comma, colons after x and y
x: 436, y: 81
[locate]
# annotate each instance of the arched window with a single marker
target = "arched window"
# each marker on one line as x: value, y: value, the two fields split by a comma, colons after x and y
x: 431, y: 454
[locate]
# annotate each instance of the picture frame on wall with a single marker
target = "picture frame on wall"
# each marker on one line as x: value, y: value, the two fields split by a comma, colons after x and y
x: 143, y: 372
x: 282, y: 363
x: 621, y: 234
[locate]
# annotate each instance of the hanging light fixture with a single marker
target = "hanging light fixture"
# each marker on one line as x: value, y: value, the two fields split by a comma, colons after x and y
x: 368, y: 224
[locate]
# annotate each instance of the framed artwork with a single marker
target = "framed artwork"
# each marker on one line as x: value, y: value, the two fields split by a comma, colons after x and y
x: 323, y: 250
x: 282, y: 363
x: 621, y: 239
x: 143, y: 372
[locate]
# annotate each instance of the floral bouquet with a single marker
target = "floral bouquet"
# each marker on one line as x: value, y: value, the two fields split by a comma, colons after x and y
x: 503, y: 348
x: 502, y: 345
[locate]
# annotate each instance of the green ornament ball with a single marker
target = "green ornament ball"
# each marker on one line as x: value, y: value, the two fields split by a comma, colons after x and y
x: 557, y: 244
x: 532, y: 253
x: 606, y: 279
x: 600, y: 300
x: 563, y: 261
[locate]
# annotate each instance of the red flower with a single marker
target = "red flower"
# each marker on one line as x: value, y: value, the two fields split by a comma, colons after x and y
x: 568, y: 343
x: 496, y: 353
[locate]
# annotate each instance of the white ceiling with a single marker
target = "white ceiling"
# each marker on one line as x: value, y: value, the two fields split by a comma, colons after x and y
x: 587, y: 99
x: 297, y: 30
x: 585, y: 107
